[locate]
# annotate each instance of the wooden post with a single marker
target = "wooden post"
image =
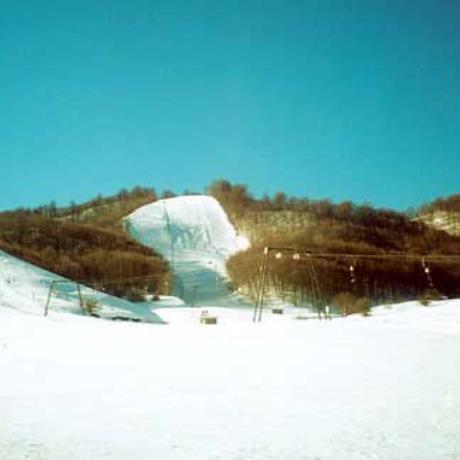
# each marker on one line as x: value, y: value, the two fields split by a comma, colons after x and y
x: 259, y: 287
x: 260, y: 297
x: 264, y: 276
x: 80, y: 298
x: 49, y: 297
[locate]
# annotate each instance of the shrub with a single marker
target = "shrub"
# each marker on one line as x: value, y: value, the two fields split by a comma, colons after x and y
x: 91, y: 307
x: 428, y: 295
x: 362, y: 306
x: 349, y: 304
x: 344, y: 302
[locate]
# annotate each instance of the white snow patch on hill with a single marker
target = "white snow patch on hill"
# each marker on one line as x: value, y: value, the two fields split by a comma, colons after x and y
x: 194, y: 234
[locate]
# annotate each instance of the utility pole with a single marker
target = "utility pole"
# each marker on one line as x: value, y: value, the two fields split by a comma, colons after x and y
x: 49, y: 297
x: 260, y: 297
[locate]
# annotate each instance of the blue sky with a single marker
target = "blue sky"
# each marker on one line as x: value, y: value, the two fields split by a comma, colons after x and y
x: 331, y: 99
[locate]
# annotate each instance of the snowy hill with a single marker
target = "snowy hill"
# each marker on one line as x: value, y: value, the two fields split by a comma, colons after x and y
x: 25, y: 287
x: 194, y: 234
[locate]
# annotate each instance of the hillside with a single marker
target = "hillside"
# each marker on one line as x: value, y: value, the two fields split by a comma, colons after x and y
x: 103, y: 212
x: 322, y: 226
x: 30, y: 290
x: 87, y: 242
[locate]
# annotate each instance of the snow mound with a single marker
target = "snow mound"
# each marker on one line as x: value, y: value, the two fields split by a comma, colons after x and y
x: 195, y: 235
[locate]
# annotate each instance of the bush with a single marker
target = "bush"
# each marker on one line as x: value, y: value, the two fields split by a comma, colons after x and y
x: 349, y: 304
x: 344, y: 302
x: 91, y: 307
x: 363, y: 306
x: 428, y: 295
x: 135, y: 294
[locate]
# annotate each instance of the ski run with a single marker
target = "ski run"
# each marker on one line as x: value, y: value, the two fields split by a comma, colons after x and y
x: 194, y: 234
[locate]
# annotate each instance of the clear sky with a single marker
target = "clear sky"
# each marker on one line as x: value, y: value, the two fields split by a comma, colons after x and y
x: 340, y: 99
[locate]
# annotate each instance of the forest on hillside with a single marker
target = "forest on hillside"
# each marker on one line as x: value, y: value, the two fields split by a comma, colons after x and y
x: 86, y: 242
x: 343, y: 228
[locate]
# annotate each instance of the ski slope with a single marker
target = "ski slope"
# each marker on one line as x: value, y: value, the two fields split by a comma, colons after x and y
x: 383, y: 387
x: 194, y: 234
x: 25, y: 287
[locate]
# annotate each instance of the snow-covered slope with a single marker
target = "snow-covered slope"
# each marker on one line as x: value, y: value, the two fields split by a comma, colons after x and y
x: 383, y: 387
x: 25, y: 287
x: 194, y: 234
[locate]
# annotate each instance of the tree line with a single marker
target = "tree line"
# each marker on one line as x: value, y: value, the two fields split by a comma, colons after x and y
x: 322, y: 226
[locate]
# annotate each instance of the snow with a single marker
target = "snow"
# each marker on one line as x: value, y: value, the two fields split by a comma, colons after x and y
x: 194, y: 234
x: 26, y: 287
x: 381, y: 387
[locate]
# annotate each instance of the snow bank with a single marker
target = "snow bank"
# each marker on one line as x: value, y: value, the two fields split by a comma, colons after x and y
x: 194, y: 234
